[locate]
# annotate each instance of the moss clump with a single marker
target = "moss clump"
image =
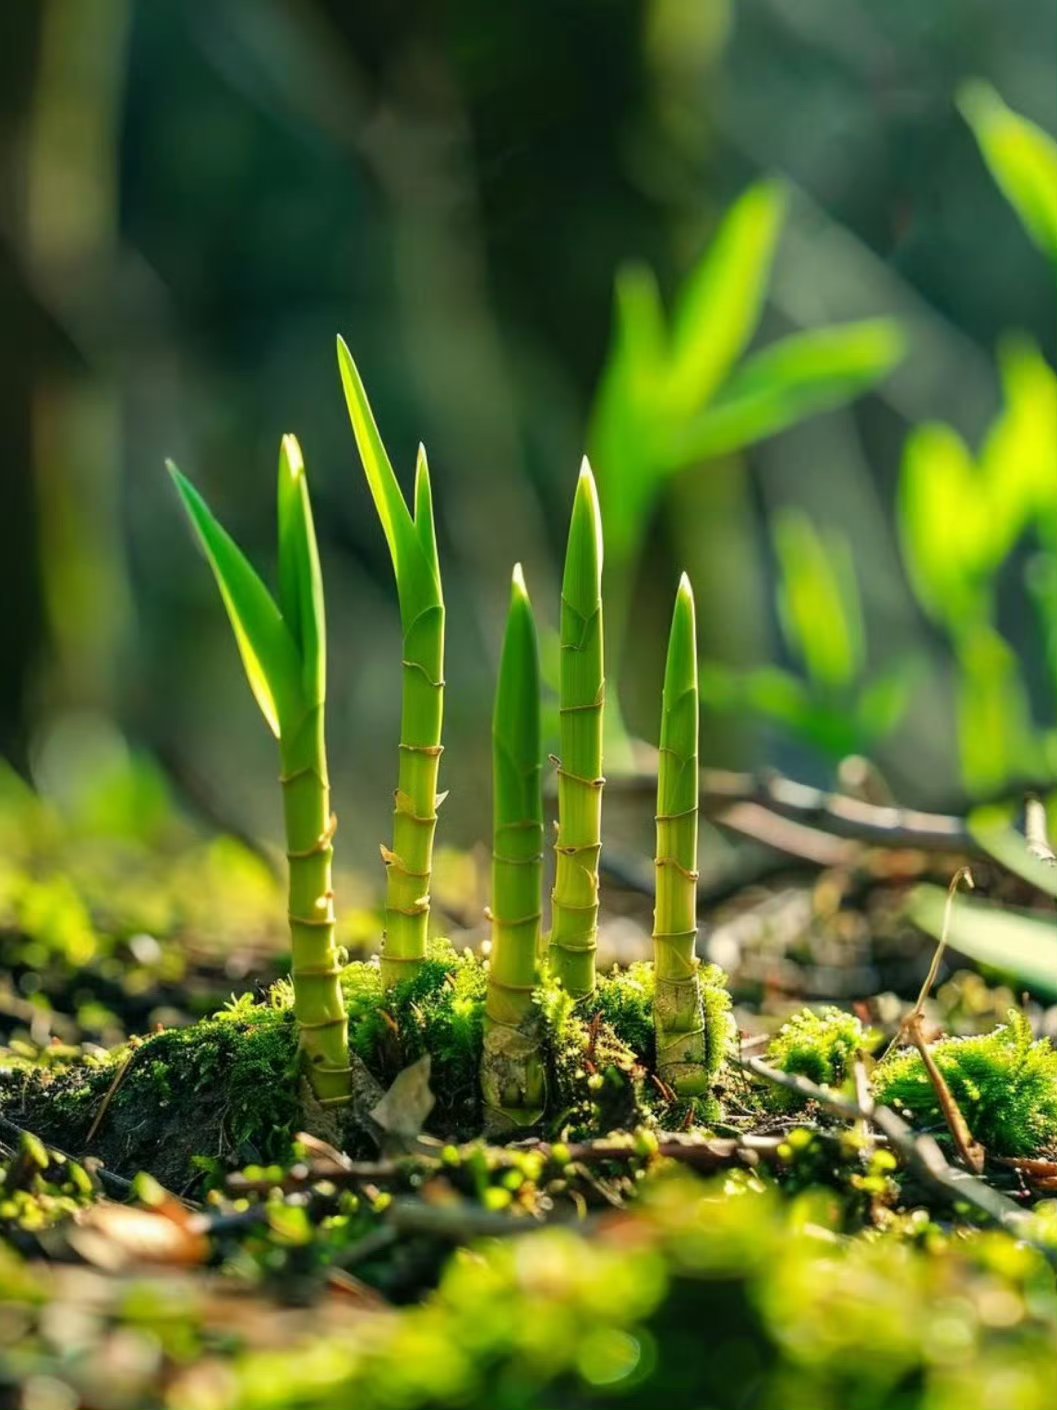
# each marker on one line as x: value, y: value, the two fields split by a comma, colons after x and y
x: 1005, y: 1083
x: 819, y: 1046
x: 624, y: 999
x: 225, y: 1088
x: 439, y: 1010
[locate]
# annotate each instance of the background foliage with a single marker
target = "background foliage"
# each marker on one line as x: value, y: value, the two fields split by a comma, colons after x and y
x: 196, y: 198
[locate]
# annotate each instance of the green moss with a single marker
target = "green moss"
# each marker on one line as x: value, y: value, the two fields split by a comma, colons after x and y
x: 819, y: 1046
x: 624, y: 998
x: 226, y: 1088
x: 439, y: 1011
x: 1005, y: 1083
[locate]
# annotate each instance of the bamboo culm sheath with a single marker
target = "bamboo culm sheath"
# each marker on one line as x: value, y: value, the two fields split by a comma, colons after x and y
x: 574, y: 933
x: 319, y: 1005
x: 513, y: 1078
x: 410, y: 862
x: 682, y: 1046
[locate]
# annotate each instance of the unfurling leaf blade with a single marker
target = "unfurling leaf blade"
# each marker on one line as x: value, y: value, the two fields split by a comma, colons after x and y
x: 269, y: 653
x: 300, y: 576
x: 425, y: 526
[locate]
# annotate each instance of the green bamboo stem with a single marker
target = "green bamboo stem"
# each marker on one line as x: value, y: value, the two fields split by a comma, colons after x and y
x: 319, y: 1005
x: 513, y: 1079
x: 413, y: 548
x: 574, y: 933
x: 682, y: 1048
x: 283, y: 649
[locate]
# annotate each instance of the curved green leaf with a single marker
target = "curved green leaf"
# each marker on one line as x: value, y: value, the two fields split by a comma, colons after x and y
x: 413, y: 550
x: 300, y: 577
x: 269, y: 652
x: 1022, y: 159
x: 797, y: 377
x: 720, y: 303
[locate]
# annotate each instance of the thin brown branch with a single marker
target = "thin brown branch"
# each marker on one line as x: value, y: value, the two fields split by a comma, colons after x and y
x: 971, y: 1153
x: 834, y: 813
x: 920, y: 1151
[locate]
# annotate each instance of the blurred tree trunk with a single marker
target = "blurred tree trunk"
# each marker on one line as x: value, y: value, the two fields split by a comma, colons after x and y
x: 20, y: 620
x: 68, y: 240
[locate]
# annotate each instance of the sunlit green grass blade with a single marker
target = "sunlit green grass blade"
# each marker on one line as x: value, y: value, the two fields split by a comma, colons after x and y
x: 1021, y: 946
x: 682, y: 1047
x: 300, y: 578
x: 797, y: 377
x: 413, y: 547
x: 1022, y: 159
x: 574, y: 935
x: 512, y: 1074
x: 269, y: 652
x: 720, y: 303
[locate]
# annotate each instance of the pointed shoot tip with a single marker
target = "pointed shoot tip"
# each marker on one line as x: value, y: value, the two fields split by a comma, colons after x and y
x: 517, y: 580
x: 291, y: 453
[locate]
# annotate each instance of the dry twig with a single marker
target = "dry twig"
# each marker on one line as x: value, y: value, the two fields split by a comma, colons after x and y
x: 920, y: 1151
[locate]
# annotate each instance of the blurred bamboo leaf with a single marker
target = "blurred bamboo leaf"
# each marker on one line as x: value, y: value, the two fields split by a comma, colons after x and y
x: 720, y: 304
x: 995, y: 737
x: 818, y: 601
x: 1018, y: 459
x: 1022, y: 946
x: 835, y: 707
x: 1022, y: 159
x: 798, y: 377
x: 943, y: 524
x: 669, y: 400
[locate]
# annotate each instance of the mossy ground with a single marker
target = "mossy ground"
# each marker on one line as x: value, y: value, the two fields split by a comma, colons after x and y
x: 226, y: 1089
x: 1004, y: 1082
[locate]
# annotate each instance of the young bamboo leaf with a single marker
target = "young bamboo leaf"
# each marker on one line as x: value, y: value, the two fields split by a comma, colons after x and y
x: 720, y: 305
x: 512, y: 1073
x: 300, y: 578
x: 574, y: 937
x: 413, y: 548
x: 818, y: 601
x: 269, y: 652
x: 412, y: 544
x: 797, y: 377
x: 424, y: 524
x: 1022, y: 158
x: 682, y: 1042
x: 941, y: 525
x: 285, y: 663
